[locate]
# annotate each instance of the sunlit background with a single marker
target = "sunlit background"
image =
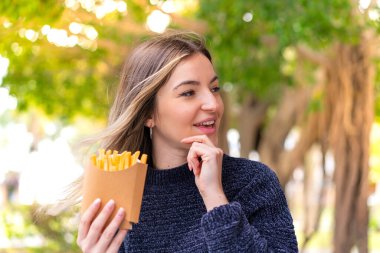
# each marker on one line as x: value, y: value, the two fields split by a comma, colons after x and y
x: 38, y: 158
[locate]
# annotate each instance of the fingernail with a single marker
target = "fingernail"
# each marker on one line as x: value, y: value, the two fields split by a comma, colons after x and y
x: 110, y: 203
x: 120, y: 212
x: 96, y: 202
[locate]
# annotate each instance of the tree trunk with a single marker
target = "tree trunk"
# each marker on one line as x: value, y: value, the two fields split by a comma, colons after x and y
x: 251, y: 118
x: 272, y: 151
x: 222, y: 134
x: 349, y: 103
x: 313, y: 213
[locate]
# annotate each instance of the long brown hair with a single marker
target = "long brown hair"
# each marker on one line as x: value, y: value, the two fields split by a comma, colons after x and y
x: 145, y: 71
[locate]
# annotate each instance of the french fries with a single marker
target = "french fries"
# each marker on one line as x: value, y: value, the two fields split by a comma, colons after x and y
x: 113, y: 161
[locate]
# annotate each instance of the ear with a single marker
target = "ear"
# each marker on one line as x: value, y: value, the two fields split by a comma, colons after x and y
x: 149, y: 123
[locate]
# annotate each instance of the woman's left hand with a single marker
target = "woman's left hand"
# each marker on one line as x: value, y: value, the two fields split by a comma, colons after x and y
x: 205, y: 160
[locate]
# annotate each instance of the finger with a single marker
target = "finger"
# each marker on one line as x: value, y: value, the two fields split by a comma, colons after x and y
x: 109, y: 233
x: 97, y: 226
x: 190, y: 161
x: 190, y: 166
x: 198, y: 138
x: 196, y: 152
x: 197, y: 171
x: 87, y: 218
x: 192, y: 157
x: 193, y: 166
x: 115, y: 245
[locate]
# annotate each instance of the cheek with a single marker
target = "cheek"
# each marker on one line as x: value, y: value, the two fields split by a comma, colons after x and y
x: 178, y: 109
x: 185, y: 110
x: 184, y: 114
x: 220, y: 107
x: 176, y: 114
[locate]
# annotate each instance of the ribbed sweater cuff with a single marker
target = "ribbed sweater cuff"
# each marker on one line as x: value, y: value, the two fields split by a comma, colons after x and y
x: 222, y: 217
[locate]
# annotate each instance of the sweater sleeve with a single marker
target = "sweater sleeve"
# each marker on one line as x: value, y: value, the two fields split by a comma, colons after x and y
x: 256, y: 220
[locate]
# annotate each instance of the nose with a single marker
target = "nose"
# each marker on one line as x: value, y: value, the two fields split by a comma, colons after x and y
x: 209, y: 102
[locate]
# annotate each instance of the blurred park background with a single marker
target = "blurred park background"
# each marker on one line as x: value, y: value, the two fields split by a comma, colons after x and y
x: 301, y: 87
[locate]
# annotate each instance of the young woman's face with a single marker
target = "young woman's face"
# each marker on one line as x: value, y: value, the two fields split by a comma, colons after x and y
x: 188, y: 104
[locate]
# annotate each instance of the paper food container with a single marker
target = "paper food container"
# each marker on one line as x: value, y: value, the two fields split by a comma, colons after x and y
x: 125, y: 187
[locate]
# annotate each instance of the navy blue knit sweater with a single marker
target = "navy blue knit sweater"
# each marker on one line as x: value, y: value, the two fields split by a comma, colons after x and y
x: 174, y: 218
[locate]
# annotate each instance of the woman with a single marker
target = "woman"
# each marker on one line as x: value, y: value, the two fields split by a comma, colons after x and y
x: 196, y: 199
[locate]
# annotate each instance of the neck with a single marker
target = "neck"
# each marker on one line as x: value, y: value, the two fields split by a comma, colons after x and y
x: 166, y: 158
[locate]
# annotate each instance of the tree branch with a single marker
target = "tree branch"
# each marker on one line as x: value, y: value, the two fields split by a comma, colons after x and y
x: 312, y: 56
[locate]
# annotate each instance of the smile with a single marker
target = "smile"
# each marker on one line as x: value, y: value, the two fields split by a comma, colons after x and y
x: 206, y: 127
x: 208, y: 124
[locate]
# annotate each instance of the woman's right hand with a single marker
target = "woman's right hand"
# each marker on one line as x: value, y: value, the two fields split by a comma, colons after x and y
x: 93, y: 236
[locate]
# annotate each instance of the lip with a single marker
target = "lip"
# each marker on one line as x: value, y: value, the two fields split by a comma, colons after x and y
x: 204, y: 129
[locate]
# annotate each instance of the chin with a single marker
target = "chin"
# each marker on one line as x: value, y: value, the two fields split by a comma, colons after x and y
x: 215, y: 140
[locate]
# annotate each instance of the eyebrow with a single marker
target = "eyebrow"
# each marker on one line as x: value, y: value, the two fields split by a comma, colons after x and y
x: 193, y: 82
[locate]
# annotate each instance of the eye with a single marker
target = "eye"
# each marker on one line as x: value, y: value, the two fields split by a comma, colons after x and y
x: 215, y: 89
x: 188, y: 93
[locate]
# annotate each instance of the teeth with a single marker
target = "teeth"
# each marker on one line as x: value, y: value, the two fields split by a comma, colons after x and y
x: 207, y: 123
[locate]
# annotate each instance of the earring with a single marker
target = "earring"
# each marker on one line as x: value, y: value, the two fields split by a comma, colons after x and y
x: 150, y: 132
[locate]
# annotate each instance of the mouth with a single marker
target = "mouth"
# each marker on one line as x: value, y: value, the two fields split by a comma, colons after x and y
x: 206, y: 124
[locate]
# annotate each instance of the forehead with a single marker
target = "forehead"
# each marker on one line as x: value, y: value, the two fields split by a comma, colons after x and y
x: 195, y: 67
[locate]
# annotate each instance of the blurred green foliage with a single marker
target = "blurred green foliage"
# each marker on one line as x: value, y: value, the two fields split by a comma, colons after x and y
x: 248, y: 40
x: 250, y: 52
x: 63, y: 81
x: 25, y: 11
x: 22, y: 222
